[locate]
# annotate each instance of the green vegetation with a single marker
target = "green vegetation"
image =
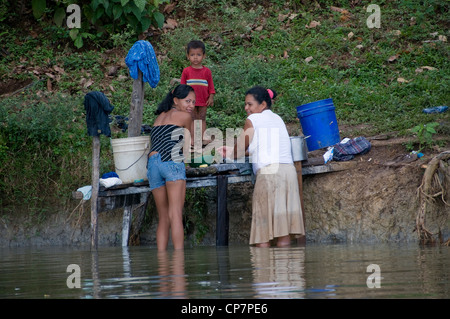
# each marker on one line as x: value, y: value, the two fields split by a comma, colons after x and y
x: 195, y: 214
x: 425, y: 134
x: 381, y: 78
x: 100, y: 17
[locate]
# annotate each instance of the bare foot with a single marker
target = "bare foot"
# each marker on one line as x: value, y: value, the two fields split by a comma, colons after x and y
x: 284, y: 241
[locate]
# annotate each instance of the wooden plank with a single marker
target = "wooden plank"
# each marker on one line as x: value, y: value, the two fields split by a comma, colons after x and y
x: 240, y: 179
x: 224, y: 167
x: 327, y: 168
x: 211, y: 181
x: 124, y: 191
x: 95, y: 188
x: 298, y: 168
x: 222, y: 216
x: 114, y: 202
x: 313, y: 161
x: 137, y: 100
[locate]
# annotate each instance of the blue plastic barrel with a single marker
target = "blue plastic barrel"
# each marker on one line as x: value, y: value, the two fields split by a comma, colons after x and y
x: 321, y: 103
x: 318, y: 120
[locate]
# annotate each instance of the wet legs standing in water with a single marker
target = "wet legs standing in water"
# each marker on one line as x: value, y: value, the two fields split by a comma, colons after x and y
x: 169, y: 201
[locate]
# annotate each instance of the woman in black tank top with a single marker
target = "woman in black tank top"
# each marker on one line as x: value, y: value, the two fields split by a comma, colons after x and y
x: 166, y: 171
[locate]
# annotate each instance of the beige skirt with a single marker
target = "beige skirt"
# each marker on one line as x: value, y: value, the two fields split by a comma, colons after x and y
x: 276, y: 207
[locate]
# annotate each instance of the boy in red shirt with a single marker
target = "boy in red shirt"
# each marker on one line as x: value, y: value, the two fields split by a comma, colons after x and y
x: 200, y: 78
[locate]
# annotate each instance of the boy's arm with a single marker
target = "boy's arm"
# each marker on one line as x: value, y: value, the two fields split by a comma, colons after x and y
x: 211, y: 89
x: 210, y: 101
x: 183, y: 77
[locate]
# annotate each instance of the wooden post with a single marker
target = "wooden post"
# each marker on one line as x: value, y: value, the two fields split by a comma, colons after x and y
x: 126, y: 223
x: 95, y: 188
x: 298, y: 168
x: 134, y: 130
x: 136, y: 107
x: 222, y: 218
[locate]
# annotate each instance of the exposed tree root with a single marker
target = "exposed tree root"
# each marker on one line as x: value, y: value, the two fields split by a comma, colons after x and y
x: 435, y: 185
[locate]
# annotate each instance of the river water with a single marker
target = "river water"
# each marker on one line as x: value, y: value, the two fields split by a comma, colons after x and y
x: 313, y: 271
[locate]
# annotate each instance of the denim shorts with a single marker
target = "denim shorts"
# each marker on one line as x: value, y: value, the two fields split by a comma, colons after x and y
x: 159, y: 172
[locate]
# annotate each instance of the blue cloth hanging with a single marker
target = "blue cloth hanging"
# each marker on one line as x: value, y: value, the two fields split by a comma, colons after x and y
x: 98, y: 108
x: 142, y: 57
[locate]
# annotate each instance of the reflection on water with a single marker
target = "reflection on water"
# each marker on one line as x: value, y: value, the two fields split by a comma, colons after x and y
x: 311, y: 271
x: 278, y: 272
x: 171, y: 274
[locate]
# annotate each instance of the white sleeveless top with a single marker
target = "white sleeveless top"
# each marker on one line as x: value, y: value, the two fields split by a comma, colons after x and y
x: 271, y: 143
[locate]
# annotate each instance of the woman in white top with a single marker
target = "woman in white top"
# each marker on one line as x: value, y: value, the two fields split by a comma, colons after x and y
x: 276, y: 208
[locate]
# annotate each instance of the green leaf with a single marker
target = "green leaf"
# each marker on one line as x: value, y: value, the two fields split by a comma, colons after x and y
x: 95, y: 4
x: 159, y: 18
x: 124, y: 2
x: 136, y: 12
x: 98, y: 13
x: 145, y: 22
x: 133, y: 21
x: 88, y: 35
x: 59, y: 16
x: 140, y: 4
x: 117, y: 11
x: 38, y: 7
x: 105, y: 3
x: 127, y: 9
x: 415, y: 129
x: 150, y: 9
x: 73, y: 33
x: 78, y: 42
x: 431, y: 130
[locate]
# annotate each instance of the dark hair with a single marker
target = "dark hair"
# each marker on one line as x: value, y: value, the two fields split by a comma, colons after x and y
x: 260, y: 94
x: 195, y: 44
x: 180, y: 92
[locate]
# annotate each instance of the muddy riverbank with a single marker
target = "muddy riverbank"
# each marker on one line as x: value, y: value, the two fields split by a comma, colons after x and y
x: 375, y: 199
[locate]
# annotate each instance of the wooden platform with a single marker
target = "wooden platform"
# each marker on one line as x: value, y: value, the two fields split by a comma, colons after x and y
x: 133, y: 197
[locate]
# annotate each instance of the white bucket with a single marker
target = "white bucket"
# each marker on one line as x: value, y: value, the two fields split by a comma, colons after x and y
x: 130, y: 158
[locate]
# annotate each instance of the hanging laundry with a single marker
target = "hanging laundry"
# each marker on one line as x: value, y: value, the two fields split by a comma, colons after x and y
x: 142, y: 57
x: 97, y: 108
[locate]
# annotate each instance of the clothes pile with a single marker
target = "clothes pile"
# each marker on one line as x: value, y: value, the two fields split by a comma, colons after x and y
x: 347, y: 149
x: 110, y: 179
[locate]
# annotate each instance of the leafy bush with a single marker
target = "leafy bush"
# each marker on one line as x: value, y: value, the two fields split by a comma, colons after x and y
x: 100, y: 17
x: 41, y: 143
x: 425, y: 134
